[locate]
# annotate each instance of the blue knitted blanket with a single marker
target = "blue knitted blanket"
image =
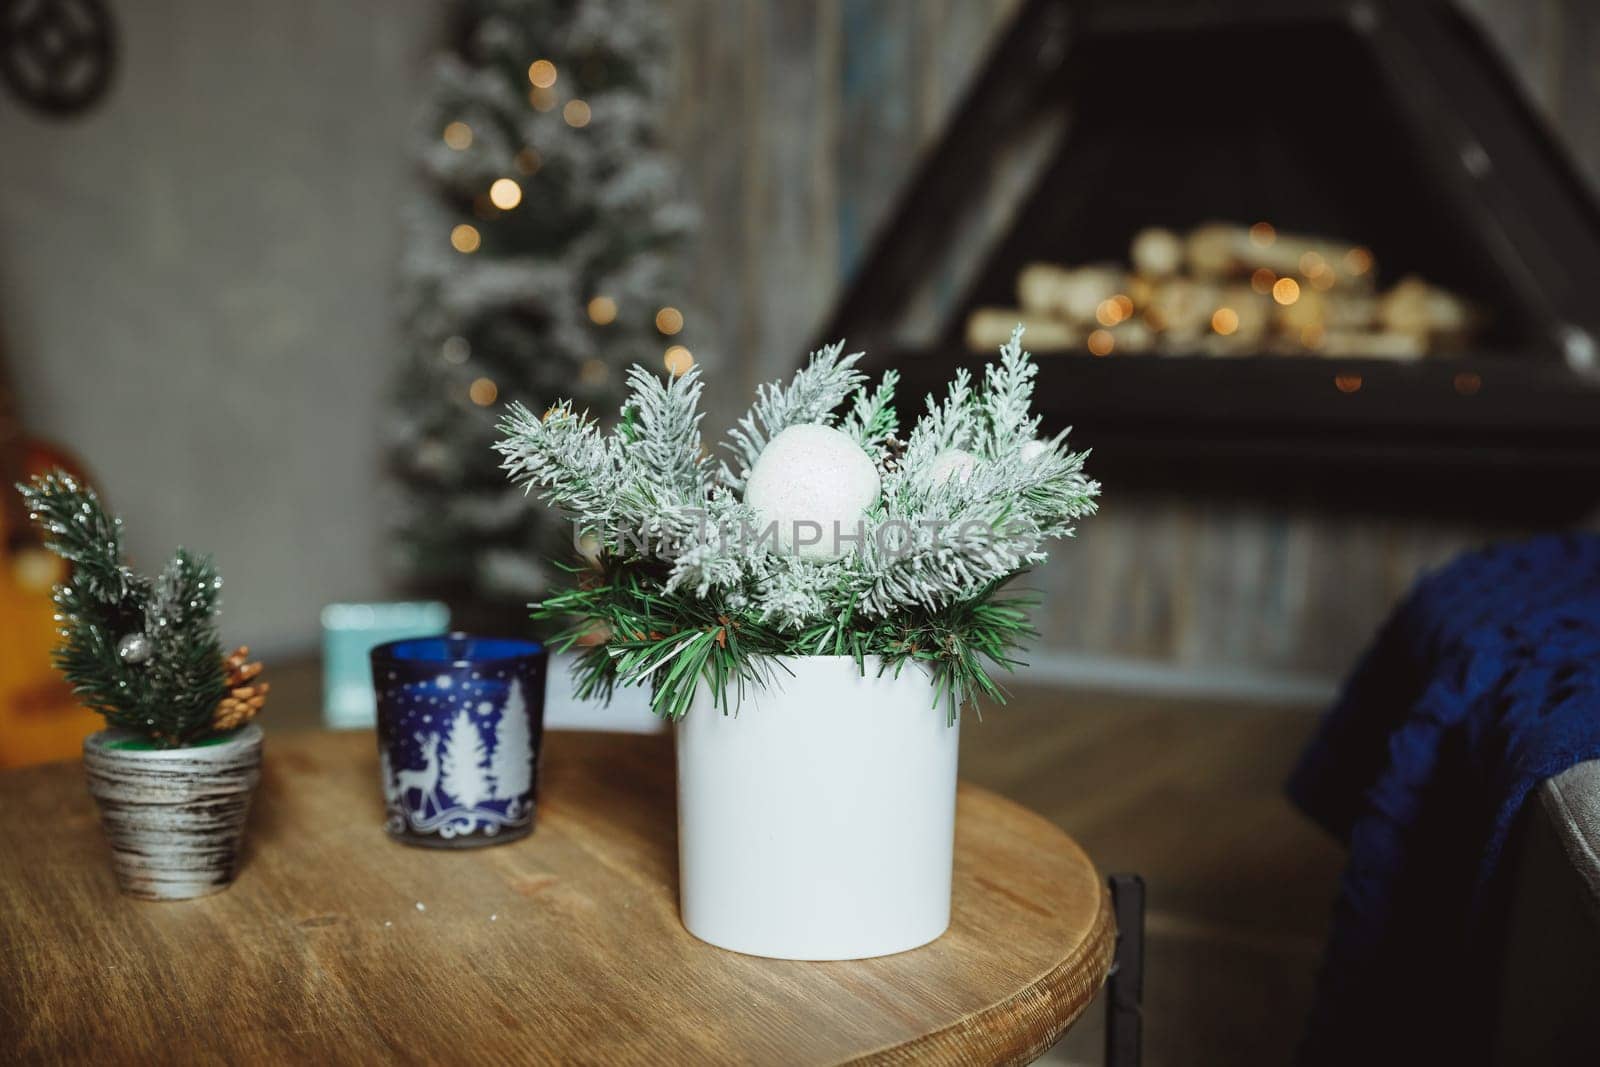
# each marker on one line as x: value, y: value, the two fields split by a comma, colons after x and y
x: 1482, y: 684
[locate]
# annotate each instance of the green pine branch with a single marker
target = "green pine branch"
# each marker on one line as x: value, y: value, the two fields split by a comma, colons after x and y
x: 167, y: 685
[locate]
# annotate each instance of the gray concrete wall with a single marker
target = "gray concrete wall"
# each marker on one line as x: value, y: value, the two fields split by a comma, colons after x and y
x: 194, y: 286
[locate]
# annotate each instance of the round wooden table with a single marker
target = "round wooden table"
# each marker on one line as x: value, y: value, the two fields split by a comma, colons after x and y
x: 338, y: 945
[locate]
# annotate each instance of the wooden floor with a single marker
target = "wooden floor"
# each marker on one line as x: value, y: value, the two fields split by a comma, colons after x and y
x: 1188, y: 794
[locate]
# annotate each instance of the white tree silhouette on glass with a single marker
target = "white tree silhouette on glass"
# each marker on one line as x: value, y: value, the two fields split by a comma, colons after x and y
x: 463, y: 763
x: 512, y: 765
x: 391, y: 795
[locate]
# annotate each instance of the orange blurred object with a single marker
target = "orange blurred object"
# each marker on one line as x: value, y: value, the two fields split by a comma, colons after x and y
x: 40, y: 719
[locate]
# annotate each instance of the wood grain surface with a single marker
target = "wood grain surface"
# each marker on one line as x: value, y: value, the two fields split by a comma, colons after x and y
x: 337, y: 945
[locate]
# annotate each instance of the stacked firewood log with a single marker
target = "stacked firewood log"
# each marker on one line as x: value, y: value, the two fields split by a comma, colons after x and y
x: 1228, y: 290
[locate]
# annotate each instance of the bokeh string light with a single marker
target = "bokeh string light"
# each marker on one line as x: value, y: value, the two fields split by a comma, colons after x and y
x: 542, y: 73
x: 669, y: 320
x: 576, y: 113
x: 678, y: 360
x: 458, y: 135
x: 505, y: 194
x: 602, y: 311
x: 483, y: 392
x: 465, y: 238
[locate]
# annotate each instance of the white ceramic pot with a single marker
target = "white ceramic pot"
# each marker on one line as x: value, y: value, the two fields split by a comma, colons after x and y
x: 174, y: 817
x: 817, y: 821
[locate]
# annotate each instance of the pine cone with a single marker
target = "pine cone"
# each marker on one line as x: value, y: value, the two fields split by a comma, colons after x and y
x: 893, y: 450
x: 244, y: 699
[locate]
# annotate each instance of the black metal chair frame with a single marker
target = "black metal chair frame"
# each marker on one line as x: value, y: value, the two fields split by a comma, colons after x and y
x: 1125, y: 983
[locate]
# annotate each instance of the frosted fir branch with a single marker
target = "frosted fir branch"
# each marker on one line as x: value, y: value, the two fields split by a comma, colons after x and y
x: 921, y: 582
x: 810, y: 397
x: 1007, y: 399
x: 709, y: 561
x: 563, y: 458
x: 648, y: 479
x: 793, y: 593
x: 1053, y: 490
x: 959, y: 535
x: 946, y: 425
x: 661, y: 427
x: 871, y: 420
x: 968, y: 541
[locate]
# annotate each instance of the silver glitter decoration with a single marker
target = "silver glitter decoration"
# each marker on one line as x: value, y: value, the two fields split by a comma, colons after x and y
x: 134, y: 648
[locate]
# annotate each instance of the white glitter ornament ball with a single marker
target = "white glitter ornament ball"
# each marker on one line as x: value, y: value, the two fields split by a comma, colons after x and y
x: 812, y: 474
x: 134, y: 648
x: 951, y: 463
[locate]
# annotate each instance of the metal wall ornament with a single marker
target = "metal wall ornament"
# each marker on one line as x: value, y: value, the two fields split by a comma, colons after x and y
x: 57, y: 56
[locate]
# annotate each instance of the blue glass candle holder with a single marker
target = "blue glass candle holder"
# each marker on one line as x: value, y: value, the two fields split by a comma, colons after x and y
x: 460, y: 723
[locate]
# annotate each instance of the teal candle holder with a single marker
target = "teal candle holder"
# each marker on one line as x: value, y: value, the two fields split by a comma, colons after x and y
x: 349, y: 634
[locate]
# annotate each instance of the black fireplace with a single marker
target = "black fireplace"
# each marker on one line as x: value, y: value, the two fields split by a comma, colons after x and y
x: 1393, y: 126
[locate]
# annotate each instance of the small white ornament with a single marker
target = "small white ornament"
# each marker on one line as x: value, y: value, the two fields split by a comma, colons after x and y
x: 134, y: 648
x: 1033, y: 450
x: 812, y: 474
x: 951, y: 463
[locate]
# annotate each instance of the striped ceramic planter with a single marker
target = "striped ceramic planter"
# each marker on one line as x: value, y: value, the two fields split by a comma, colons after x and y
x: 174, y: 817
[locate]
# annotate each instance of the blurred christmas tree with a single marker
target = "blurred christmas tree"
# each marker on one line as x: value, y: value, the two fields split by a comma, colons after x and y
x: 539, y: 264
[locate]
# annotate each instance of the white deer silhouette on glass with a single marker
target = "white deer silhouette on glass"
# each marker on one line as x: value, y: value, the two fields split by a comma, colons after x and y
x: 426, y: 780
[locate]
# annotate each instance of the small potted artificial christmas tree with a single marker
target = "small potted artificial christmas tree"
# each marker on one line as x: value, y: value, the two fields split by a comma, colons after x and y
x: 174, y: 772
x: 813, y: 616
